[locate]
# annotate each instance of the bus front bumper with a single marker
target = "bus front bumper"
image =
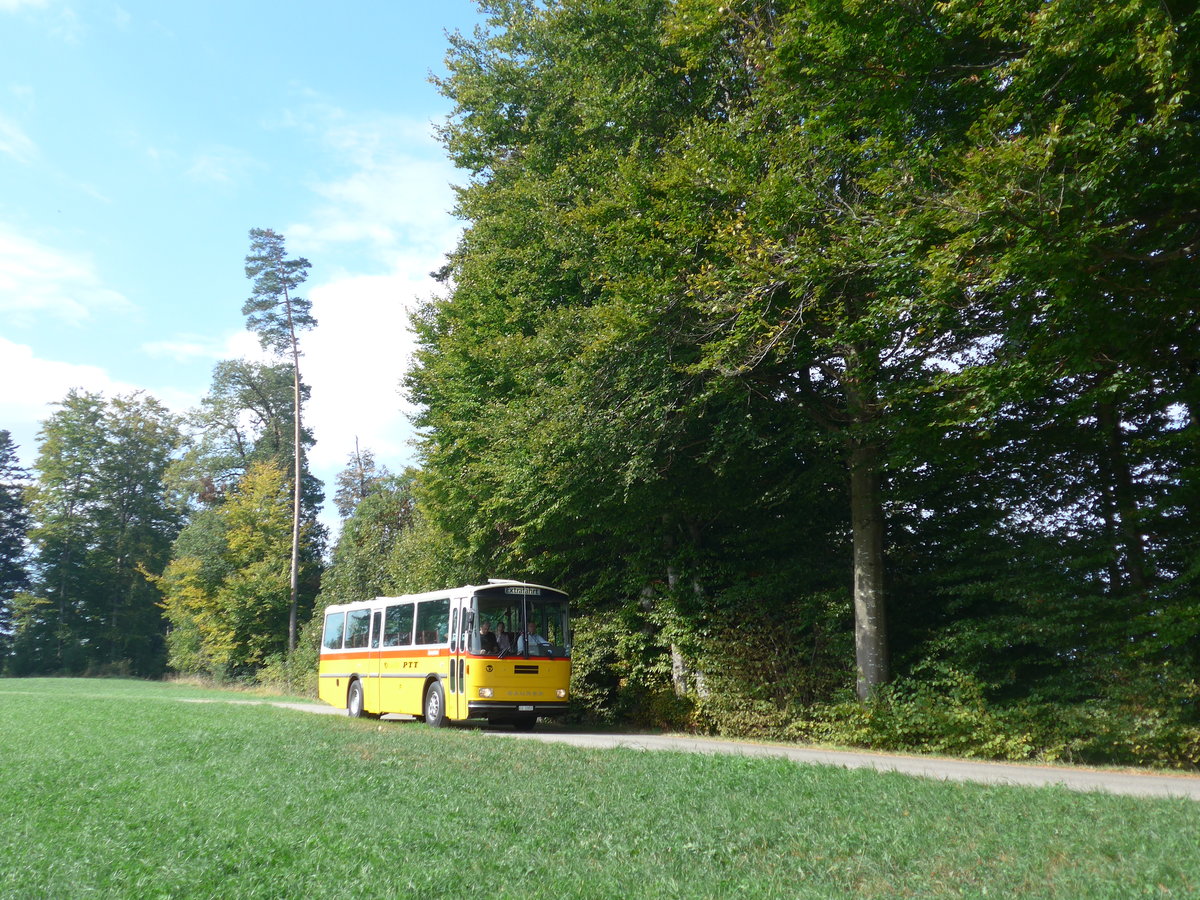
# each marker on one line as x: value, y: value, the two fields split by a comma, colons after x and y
x: 489, y: 708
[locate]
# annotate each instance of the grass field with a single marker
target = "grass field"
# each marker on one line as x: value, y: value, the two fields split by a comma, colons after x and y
x: 119, y: 789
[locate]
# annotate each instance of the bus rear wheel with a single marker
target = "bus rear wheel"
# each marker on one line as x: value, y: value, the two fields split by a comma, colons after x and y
x: 355, y: 708
x: 435, y: 706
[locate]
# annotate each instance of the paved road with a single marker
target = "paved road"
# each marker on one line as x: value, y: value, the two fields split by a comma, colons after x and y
x: 1139, y: 784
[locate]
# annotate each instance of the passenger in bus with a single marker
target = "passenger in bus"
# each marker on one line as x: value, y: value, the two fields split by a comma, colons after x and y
x: 487, y: 640
x: 537, y: 644
x: 504, y: 641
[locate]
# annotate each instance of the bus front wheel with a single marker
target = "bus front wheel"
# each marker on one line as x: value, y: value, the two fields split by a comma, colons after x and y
x: 354, y: 700
x: 435, y: 706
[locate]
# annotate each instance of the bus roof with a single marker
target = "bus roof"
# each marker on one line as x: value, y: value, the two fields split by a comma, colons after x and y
x: 465, y: 590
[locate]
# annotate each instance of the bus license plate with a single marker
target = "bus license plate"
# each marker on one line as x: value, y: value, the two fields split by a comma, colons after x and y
x: 525, y: 709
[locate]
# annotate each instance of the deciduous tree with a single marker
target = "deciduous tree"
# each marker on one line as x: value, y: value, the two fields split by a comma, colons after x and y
x: 228, y: 601
x: 103, y: 524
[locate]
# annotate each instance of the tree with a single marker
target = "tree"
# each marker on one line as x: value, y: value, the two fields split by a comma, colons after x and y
x: 362, y: 564
x: 730, y: 265
x: 247, y: 416
x: 360, y: 479
x: 276, y: 315
x: 226, y: 592
x: 14, y: 526
x: 1073, y: 229
x: 104, y: 527
x: 738, y: 182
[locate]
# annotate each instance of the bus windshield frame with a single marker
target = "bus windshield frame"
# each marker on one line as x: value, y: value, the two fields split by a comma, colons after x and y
x: 507, y: 611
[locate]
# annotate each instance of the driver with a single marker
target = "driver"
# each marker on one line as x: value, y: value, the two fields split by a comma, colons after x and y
x: 487, y: 640
x: 537, y: 644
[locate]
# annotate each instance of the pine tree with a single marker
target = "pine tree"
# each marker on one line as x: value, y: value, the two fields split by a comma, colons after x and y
x: 14, y: 526
x: 276, y: 315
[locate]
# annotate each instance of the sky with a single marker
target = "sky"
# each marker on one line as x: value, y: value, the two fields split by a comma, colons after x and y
x: 140, y: 141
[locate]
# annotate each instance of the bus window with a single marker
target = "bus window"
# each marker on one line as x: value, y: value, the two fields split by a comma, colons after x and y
x: 433, y: 621
x: 335, y: 627
x: 376, y: 629
x: 465, y: 628
x: 550, y: 621
x: 398, y: 626
x: 358, y: 628
x: 502, y: 609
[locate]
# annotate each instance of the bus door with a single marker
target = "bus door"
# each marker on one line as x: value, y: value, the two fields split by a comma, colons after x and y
x: 371, y: 671
x: 460, y: 636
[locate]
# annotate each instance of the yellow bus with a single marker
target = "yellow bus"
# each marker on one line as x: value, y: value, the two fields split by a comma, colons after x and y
x: 499, y: 651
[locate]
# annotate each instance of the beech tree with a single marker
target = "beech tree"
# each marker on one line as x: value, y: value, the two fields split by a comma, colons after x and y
x: 897, y: 298
x: 663, y: 191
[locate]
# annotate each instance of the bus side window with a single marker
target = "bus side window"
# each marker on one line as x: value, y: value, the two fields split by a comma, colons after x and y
x: 358, y: 628
x: 398, y: 626
x: 376, y: 629
x: 335, y: 628
x: 433, y: 621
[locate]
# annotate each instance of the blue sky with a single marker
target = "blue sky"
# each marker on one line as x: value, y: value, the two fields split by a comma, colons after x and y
x: 139, y: 143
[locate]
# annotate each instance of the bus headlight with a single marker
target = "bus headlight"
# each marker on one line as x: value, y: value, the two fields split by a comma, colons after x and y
x: 485, y: 692
x: 561, y: 692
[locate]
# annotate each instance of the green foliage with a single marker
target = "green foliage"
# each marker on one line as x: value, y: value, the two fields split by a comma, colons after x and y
x: 247, y: 417
x: 362, y: 560
x: 947, y: 712
x: 14, y: 525
x: 719, y: 254
x: 620, y: 673
x: 104, y: 526
x: 228, y: 607
x: 31, y: 643
x: 274, y: 312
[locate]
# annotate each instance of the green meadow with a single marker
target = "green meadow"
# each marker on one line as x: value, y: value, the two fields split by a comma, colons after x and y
x: 123, y: 789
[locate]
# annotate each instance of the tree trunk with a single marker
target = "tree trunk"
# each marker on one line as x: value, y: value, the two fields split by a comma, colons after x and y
x: 866, y: 517
x: 679, y: 669
x: 296, y: 493
x: 1116, y: 468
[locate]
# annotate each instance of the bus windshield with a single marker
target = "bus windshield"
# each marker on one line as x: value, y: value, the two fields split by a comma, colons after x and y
x: 520, y: 621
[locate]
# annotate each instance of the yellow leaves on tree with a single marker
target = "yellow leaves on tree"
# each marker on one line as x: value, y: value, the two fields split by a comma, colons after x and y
x: 234, y: 621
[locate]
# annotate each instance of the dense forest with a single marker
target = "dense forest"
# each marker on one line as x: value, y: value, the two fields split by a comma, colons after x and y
x: 841, y: 360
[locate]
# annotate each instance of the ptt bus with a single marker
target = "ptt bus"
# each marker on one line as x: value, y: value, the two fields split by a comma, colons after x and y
x: 499, y: 651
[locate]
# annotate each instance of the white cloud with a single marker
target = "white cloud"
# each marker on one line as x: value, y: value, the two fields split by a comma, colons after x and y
x: 395, y: 196
x: 218, y: 165
x: 186, y: 348
x: 31, y: 385
x: 182, y: 349
x: 391, y: 200
x: 37, y: 280
x: 63, y: 23
x: 14, y: 142
x: 23, y: 93
x: 354, y: 360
